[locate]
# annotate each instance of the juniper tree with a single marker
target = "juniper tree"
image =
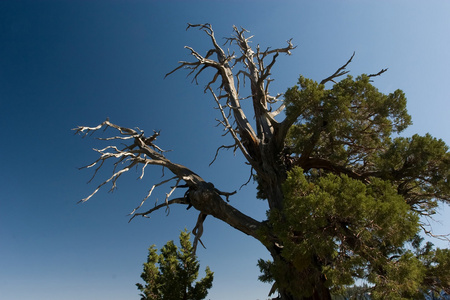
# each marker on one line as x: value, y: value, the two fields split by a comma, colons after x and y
x: 344, y: 193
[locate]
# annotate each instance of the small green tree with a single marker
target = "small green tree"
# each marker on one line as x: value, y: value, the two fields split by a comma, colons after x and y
x: 171, y: 274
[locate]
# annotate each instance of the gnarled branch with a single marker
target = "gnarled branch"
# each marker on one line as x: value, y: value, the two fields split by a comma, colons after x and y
x: 142, y: 152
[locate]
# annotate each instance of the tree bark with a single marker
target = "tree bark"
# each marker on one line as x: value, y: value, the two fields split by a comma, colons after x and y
x: 288, y: 289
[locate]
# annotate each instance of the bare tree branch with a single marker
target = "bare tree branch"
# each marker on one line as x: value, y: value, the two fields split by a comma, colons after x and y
x: 218, y: 149
x: 151, y: 191
x: 249, y: 178
x: 339, y: 72
x: 378, y: 74
x: 198, y: 231
x: 230, y: 129
x: 170, y: 202
x: 429, y: 232
x: 277, y: 111
x: 142, y: 152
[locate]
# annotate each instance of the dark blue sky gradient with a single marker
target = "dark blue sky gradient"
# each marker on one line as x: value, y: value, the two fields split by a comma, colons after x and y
x: 69, y: 63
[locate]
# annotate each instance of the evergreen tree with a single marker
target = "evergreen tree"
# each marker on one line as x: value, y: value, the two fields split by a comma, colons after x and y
x: 171, y: 274
x: 344, y: 192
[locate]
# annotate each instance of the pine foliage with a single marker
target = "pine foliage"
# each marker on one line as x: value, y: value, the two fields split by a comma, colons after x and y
x: 171, y: 274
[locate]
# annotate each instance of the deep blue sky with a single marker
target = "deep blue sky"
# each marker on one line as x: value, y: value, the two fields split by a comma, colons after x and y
x: 69, y: 63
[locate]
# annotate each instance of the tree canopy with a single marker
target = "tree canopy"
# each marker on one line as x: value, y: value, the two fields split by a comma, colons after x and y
x: 345, y: 193
x: 171, y: 274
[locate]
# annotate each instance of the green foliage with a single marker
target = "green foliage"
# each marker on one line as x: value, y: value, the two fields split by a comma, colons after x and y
x: 341, y: 226
x: 437, y: 268
x: 353, y: 200
x: 346, y: 123
x: 171, y: 274
x: 350, y: 128
x: 420, y: 166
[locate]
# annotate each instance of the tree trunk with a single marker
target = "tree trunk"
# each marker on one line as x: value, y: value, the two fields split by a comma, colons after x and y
x: 295, y: 283
x: 322, y: 294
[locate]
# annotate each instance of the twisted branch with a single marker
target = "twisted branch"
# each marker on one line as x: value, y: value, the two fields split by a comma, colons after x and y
x: 142, y: 151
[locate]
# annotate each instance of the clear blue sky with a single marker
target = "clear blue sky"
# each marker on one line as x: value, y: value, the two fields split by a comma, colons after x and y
x: 69, y: 63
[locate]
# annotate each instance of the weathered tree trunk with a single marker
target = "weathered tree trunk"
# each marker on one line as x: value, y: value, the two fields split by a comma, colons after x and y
x: 291, y: 286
